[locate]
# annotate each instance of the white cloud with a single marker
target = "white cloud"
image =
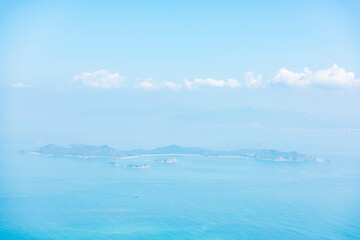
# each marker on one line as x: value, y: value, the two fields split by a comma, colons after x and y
x: 252, y: 81
x: 233, y: 83
x: 100, y: 79
x: 148, y: 83
x: 151, y: 84
x: 332, y: 77
x: 172, y: 85
x: 20, y: 85
x: 209, y: 82
x: 203, y: 82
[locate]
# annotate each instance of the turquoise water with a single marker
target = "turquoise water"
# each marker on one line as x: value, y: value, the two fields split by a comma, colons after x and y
x: 196, y: 198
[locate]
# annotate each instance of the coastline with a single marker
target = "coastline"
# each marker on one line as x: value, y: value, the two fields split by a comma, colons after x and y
x: 317, y: 159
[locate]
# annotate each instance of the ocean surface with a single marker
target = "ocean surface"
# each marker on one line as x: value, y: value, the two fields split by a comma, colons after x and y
x: 196, y: 198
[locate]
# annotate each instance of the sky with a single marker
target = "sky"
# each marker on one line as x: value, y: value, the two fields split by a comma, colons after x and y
x: 217, y: 74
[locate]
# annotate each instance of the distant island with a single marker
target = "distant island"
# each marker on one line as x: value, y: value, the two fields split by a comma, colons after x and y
x: 135, y: 166
x: 88, y: 151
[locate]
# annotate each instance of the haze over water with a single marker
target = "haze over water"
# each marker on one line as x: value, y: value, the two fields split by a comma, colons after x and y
x: 196, y: 198
x: 219, y: 75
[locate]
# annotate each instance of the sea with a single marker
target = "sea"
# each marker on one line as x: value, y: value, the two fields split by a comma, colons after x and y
x: 46, y: 197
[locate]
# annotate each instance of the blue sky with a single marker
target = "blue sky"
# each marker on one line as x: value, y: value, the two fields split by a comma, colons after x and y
x: 128, y: 67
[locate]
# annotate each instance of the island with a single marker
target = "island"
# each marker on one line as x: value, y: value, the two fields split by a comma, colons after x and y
x: 134, y: 166
x: 88, y: 151
x: 166, y: 160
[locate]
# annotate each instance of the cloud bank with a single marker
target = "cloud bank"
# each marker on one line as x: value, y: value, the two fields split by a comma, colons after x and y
x: 334, y: 77
x: 203, y: 82
x: 150, y: 84
x: 251, y: 81
x: 100, y: 79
